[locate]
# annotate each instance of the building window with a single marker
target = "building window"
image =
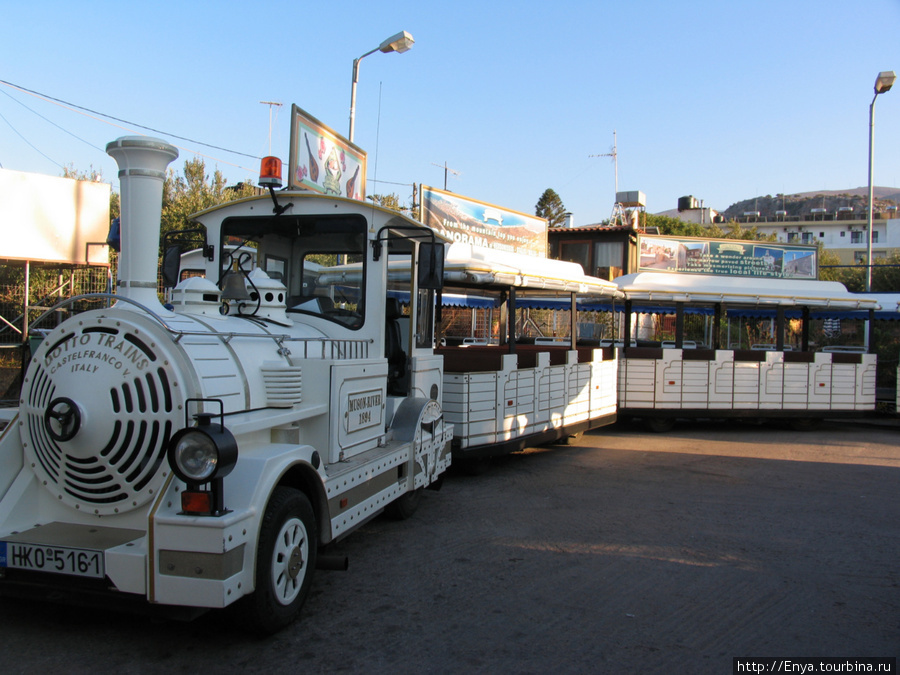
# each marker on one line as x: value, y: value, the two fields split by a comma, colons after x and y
x: 859, y: 256
x: 821, y: 235
x: 792, y: 236
x: 856, y: 237
x: 874, y: 236
x: 807, y: 237
x: 843, y: 233
x: 576, y: 252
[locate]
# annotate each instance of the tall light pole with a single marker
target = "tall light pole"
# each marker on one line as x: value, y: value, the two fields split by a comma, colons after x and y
x: 883, y: 83
x: 401, y: 42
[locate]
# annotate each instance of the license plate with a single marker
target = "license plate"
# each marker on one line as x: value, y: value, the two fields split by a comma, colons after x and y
x: 56, y: 559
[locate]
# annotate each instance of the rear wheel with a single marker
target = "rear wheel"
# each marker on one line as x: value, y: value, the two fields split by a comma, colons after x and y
x: 473, y: 466
x: 661, y: 425
x: 572, y: 439
x: 806, y: 423
x: 404, y: 506
x: 285, y: 561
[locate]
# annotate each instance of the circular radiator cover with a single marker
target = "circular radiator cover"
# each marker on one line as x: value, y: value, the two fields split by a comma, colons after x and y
x: 99, y: 403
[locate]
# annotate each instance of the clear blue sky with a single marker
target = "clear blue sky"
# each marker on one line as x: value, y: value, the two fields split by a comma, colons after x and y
x: 718, y: 99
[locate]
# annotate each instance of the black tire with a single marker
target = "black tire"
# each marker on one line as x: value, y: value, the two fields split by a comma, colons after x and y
x: 405, y: 506
x: 285, y: 560
x: 806, y: 423
x: 661, y: 425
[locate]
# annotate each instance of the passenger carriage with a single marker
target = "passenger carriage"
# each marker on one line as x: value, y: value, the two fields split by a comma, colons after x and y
x: 521, y: 382
x: 712, y: 346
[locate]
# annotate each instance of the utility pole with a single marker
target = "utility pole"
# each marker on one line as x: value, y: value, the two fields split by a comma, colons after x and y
x: 271, y: 104
x: 446, y: 169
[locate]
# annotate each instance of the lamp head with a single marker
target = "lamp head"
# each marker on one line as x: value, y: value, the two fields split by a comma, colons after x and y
x: 884, y: 81
x: 270, y: 172
x: 401, y: 42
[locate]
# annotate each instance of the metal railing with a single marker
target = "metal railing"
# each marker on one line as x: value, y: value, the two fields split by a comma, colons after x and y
x: 323, y: 348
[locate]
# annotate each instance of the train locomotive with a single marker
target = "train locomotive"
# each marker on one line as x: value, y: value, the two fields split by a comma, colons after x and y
x: 198, y: 454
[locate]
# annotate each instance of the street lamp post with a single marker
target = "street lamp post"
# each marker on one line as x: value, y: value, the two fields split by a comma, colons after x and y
x: 883, y: 83
x: 401, y: 42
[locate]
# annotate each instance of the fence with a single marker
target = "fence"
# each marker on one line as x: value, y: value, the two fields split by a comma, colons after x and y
x: 46, y: 286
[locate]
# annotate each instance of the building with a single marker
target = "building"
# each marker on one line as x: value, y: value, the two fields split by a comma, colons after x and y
x: 843, y: 232
x: 611, y: 251
x: 602, y: 251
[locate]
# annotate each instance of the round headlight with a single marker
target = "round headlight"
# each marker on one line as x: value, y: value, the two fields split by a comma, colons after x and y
x: 202, y: 453
x: 195, y: 457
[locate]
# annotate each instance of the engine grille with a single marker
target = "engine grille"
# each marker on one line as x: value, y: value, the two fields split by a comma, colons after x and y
x: 125, y: 395
x: 284, y: 384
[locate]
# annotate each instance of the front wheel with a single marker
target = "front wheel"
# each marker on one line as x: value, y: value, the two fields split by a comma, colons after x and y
x: 285, y: 560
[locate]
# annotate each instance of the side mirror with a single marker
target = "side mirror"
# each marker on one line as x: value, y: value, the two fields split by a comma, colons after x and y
x: 171, y: 266
x: 431, y: 265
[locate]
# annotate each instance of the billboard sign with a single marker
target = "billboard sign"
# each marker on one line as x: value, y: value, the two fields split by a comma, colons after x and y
x: 324, y: 161
x: 727, y: 257
x: 482, y: 224
x: 53, y: 219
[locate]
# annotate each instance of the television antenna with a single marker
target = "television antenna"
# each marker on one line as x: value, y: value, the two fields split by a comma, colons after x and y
x: 618, y: 216
x: 614, y: 153
x: 271, y: 104
x: 446, y: 170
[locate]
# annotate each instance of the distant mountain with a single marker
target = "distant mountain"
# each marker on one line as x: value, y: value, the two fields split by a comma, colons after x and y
x: 803, y: 203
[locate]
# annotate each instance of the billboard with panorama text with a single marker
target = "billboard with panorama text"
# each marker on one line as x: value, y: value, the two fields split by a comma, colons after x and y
x: 482, y: 224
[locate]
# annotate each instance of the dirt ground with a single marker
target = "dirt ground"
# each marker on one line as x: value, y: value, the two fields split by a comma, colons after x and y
x: 628, y: 552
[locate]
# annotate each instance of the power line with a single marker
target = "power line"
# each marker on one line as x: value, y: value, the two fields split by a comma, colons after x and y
x: 118, y: 119
x: 49, y: 121
x: 49, y: 159
x: 389, y: 182
x: 76, y: 107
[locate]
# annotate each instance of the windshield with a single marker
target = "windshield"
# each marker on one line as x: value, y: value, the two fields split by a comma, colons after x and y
x: 308, y: 254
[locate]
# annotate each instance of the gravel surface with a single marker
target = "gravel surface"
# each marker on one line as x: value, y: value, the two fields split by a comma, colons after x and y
x: 626, y: 552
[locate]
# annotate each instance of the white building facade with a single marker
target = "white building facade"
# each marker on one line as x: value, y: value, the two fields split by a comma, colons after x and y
x: 841, y: 233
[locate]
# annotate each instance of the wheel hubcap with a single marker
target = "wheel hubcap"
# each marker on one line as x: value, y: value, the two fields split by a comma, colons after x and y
x: 289, y: 560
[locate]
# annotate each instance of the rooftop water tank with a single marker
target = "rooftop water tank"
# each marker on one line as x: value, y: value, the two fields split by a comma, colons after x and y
x: 688, y: 203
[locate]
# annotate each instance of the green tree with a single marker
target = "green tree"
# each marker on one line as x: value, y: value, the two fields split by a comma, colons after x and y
x: 391, y: 201
x: 550, y: 206
x: 831, y: 269
x: 886, y: 274
x: 673, y: 227
x: 193, y: 192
